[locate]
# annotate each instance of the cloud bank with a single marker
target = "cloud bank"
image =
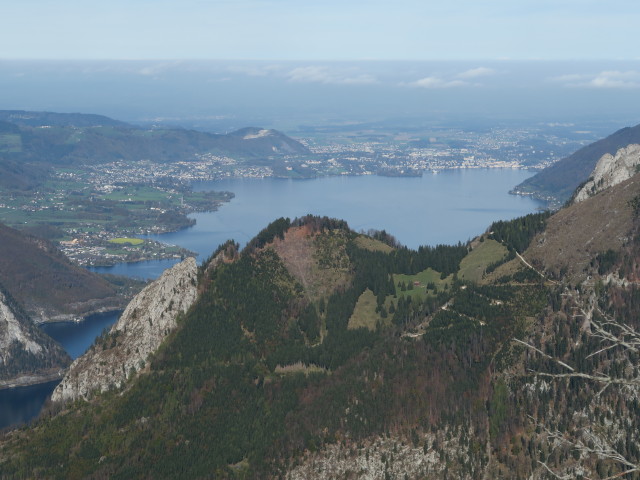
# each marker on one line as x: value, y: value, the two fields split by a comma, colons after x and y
x: 606, y: 79
x: 322, y: 74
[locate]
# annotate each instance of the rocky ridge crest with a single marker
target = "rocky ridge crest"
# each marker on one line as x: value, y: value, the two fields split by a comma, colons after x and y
x: 145, y: 323
x: 610, y: 170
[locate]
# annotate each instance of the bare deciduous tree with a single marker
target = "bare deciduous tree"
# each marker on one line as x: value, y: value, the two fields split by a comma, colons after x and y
x: 612, y: 334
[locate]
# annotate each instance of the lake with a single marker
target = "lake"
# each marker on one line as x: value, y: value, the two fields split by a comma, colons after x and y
x: 77, y: 337
x: 449, y: 207
x: 21, y: 404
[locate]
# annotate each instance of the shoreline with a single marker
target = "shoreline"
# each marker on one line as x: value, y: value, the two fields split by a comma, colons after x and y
x: 108, y: 265
x: 71, y: 319
x: 29, y: 380
x: 40, y: 318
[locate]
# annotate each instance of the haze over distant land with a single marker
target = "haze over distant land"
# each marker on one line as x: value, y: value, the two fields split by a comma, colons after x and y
x: 224, y: 95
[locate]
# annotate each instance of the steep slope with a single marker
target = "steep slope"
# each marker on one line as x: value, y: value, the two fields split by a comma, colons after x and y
x: 573, y: 399
x: 259, y: 370
x: 610, y: 170
x: 576, y: 235
x: 560, y: 180
x: 27, y: 355
x: 48, y: 286
x: 145, y: 323
x: 263, y: 378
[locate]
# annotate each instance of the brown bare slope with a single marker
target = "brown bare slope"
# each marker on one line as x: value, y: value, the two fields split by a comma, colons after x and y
x: 317, y: 259
x: 48, y: 286
x: 577, y: 234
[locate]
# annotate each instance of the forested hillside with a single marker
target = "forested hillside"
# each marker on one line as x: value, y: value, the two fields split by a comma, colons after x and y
x: 317, y: 352
x: 33, y: 142
x: 46, y: 284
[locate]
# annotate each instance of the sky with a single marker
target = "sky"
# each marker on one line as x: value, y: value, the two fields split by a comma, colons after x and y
x: 320, y: 30
x: 226, y: 94
x: 286, y: 63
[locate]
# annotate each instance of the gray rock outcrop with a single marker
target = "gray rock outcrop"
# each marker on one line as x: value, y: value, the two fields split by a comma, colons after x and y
x: 611, y: 170
x: 27, y: 355
x: 143, y: 326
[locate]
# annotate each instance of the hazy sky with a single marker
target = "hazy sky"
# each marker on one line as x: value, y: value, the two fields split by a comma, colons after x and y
x: 320, y: 30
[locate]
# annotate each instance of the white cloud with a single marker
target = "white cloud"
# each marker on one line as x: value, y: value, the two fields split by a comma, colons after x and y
x: 157, y: 69
x: 437, y: 82
x: 452, y: 80
x: 363, y: 79
x: 477, y: 72
x: 308, y: 74
x: 322, y: 74
x: 254, y: 71
x: 570, y: 78
x: 604, y: 79
x: 616, y: 79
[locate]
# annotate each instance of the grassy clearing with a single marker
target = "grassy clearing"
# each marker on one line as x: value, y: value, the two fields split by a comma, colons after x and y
x: 424, y: 278
x: 365, y: 315
x: 129, y: 241
x: 473, y: 265
x: 137, y: 194
x: 299, y: 367
x: 372, y: 245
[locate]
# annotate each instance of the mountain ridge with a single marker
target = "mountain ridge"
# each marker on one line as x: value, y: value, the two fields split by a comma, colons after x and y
x: 46, y: 284
x: 48, y: 119
x: 609, y: 171
x: 146, y: 321
x: 88, y: 139
x: 264, y: 378
x: 559, y: 181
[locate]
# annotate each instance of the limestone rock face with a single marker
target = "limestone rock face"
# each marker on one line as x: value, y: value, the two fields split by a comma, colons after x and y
x: 144, y: 324
x: 611, y: 170
x: 13, y: 331
x: 27, y: 355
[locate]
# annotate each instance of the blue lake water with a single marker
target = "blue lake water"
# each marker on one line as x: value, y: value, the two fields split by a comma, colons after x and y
x: 450, y: 207
x: 19, y: 405
x: 142, y: 270
x: 77, y: 337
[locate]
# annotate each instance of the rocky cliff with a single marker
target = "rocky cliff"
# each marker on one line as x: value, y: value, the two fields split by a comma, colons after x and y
x: 27, y: 355
x: 557, y: 182
x: 145, y: 323
x: 610, y: 170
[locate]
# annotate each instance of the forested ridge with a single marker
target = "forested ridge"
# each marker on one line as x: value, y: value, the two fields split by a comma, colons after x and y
x: 261, y: 379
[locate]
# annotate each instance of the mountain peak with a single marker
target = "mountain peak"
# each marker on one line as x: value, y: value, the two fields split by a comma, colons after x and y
x: 610, y: 170
x: 560, y: 180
